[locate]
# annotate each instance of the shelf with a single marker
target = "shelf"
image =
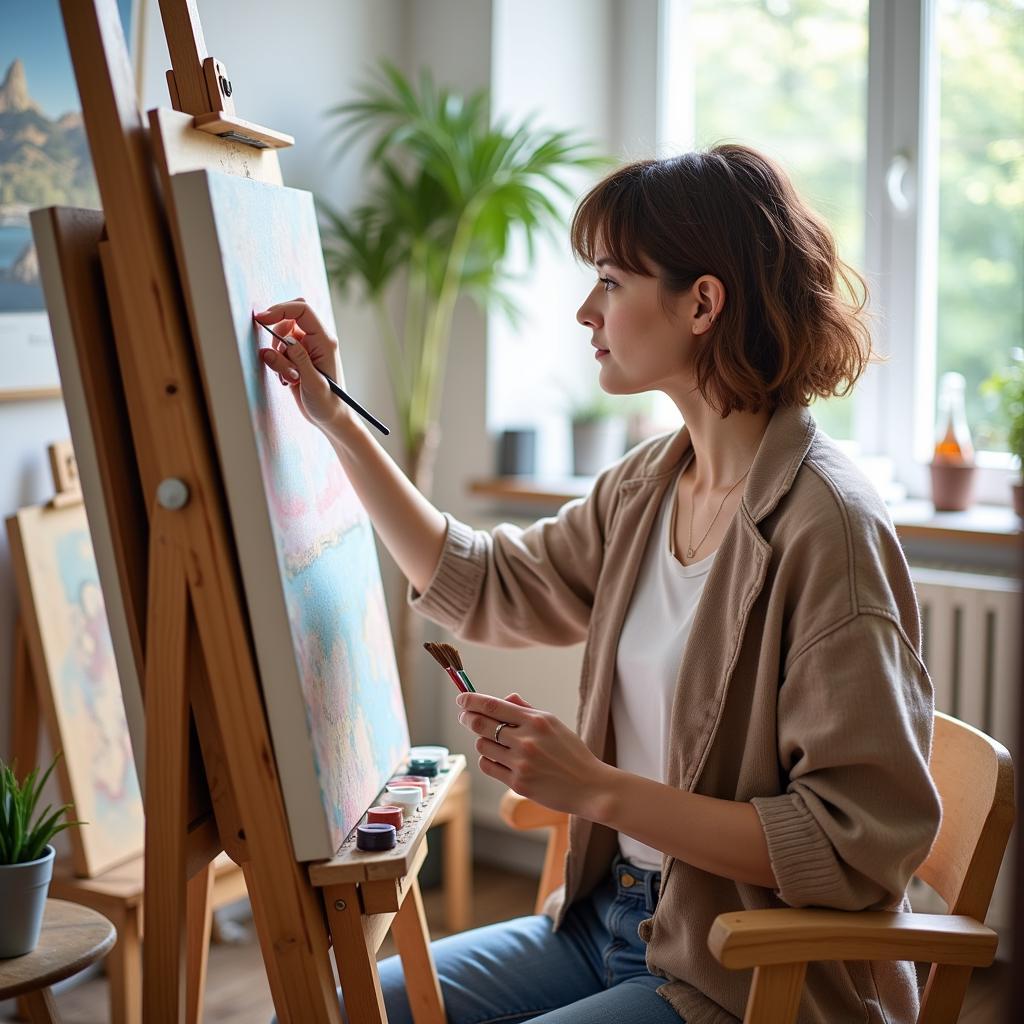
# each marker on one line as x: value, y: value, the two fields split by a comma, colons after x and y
x: 982, y: 524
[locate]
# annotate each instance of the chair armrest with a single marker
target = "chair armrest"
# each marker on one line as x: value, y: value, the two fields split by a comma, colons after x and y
x: 754, y: 938
x: 524, y: 814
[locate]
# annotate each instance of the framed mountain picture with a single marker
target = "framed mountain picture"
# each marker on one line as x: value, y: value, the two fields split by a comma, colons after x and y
x: 44, y: 161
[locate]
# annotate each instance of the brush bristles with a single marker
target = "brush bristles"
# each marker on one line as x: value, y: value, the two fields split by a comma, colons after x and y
x: 454, y: 658
x: 437, y: 655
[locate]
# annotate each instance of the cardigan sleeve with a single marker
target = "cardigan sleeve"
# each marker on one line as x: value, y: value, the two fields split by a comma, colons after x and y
x: 513, y: 586
x: 860, y: 811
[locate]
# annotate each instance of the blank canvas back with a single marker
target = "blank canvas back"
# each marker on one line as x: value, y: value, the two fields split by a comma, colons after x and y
x: 305, y: 544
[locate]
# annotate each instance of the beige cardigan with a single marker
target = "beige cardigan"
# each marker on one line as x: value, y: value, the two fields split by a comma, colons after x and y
x: 801, y: 690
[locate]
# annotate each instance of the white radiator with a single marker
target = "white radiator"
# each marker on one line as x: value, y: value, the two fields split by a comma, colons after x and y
x: 971, y: 627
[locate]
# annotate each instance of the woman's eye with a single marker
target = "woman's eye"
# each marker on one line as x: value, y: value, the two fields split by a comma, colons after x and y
x: 608, y: 283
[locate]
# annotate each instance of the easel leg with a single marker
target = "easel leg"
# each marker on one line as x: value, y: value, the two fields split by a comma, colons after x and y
x: 167, y: 773
x: 124, y: 970
x: 355, y: 955
x: 267, y: 948
x: 413, y: 940
x: 25, y: 706
x: 200, y: 918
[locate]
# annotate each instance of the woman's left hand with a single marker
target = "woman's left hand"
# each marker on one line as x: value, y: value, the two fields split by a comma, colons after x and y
x: 536, y: 754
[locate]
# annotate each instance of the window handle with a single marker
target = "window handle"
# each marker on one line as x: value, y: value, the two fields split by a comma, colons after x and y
x: 897, y: 179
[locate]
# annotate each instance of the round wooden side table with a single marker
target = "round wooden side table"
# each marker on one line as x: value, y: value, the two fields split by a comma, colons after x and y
x: 72, y: 938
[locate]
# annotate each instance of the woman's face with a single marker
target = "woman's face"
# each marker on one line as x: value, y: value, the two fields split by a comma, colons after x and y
x: 643, y: 336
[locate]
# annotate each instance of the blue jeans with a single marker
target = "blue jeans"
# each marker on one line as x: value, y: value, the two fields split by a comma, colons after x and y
x: 592, y: 971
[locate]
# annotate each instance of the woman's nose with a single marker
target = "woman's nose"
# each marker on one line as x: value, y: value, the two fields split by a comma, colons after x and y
x: 588, y: 316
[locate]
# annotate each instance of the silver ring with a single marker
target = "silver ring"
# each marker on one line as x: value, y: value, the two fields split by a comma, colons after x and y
x: 497, y: 731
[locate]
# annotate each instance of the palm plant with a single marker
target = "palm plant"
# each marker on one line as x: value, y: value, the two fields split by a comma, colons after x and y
x: 450, y: 190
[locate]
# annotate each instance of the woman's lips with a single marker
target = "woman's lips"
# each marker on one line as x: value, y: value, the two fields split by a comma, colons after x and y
x: 600, y: 353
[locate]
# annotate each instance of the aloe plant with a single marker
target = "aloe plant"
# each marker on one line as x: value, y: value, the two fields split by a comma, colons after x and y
x: 24, y: 834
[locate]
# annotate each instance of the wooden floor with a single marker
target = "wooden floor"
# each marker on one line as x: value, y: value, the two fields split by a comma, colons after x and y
x: 237, y: 991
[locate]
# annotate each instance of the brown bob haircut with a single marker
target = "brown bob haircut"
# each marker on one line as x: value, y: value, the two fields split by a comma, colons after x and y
x: 793, y: 327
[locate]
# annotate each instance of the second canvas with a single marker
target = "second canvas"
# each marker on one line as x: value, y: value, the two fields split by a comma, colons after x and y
x: 305, y: 543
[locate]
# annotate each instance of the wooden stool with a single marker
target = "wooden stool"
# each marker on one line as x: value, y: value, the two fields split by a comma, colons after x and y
x: 454, y: 815
x: 72, y: 938
x: 117, y: 894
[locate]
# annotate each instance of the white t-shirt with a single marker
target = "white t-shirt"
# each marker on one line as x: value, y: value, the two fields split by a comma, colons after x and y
x: 648, y: 661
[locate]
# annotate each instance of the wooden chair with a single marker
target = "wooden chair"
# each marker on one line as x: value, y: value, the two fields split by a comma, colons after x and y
x: 974, y: 776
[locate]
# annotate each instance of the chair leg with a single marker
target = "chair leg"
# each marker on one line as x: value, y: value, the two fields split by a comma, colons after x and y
x: 124, y: 969
x: 199, y: 895
x: 41, y: 1007
x: 458, y: 868
x: 553, y: 873
x: 944, y: 994
x: 775, y: 994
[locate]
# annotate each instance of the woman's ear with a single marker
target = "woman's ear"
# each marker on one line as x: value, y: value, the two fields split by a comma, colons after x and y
x: 709, y: 293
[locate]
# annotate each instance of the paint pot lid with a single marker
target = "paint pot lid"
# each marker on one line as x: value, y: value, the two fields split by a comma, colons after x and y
x: 376, y: 836
x: 439, y: 754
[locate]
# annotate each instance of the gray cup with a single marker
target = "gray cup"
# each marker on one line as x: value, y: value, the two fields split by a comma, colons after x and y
x: 23, y: 889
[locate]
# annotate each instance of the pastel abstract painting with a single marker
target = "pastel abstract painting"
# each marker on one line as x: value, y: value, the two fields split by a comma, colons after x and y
x: 306, y: 547
x: 72, y: 659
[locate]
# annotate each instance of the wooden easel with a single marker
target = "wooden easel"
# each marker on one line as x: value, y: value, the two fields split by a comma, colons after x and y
x: 115, y: 892
x: 217, y: 787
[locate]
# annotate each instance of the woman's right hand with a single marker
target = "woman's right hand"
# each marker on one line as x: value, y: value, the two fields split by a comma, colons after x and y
x: 297, y: 364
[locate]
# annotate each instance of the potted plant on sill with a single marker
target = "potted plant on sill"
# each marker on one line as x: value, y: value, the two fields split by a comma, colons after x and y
x: 1007, y: 386
x: 450, y: 189
x: 598, y: 432
x: 26, y: 857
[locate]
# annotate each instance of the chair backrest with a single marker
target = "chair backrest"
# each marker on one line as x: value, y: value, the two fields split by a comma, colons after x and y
x: 974, y: 777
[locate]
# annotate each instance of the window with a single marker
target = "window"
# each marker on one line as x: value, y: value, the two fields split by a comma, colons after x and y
x: 902, y: 122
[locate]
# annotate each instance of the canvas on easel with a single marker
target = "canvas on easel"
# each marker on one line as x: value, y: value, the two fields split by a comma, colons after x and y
x: 72, y: 660
x: 305, y: 543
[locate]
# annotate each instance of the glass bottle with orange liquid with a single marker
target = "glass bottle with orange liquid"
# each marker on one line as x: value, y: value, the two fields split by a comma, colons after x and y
x: 952, y: 467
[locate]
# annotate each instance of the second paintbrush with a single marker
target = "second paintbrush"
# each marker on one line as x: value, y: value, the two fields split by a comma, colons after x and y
x: 335, y: 387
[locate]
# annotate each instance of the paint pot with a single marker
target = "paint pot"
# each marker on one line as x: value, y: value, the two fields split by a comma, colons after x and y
x: 407, y: 797
x: 425, y: 766
x: 439, y: 754
x: 385, y: 814
x: 413, y: 780
x: 376, y: 836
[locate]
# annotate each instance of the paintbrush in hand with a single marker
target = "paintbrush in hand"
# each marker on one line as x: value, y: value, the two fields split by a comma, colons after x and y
x: 451, y: 653
x: 335, y: 387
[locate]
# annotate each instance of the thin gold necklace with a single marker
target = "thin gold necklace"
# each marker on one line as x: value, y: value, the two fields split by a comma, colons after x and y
x: 691, y: 549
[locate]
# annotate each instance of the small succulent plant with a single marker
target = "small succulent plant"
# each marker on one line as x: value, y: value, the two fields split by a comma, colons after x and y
x: 24, y: 833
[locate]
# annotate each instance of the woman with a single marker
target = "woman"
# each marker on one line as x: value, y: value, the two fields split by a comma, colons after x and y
x: 755, y: 719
